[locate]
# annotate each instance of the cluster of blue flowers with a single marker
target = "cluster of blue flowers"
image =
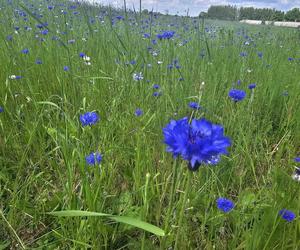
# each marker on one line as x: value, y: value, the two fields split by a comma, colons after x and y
x: 203, y: 142
x: 166, y: 35
x: 93, y: 159
x: 226, y: 205
x: 89, y: 119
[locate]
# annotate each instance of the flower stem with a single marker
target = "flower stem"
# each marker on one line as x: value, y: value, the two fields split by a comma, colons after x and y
x: 170, y: 207
x: 183, y: 205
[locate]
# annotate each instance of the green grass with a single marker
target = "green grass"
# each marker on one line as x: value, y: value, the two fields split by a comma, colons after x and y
x: 43, y: 145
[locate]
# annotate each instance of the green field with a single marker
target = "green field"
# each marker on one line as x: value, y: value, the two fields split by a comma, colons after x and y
x: 149, y: 199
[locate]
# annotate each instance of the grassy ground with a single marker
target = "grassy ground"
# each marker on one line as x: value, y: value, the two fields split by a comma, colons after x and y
x: 43, y: 144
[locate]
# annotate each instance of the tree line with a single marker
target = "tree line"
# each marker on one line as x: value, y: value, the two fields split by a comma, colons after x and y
x: 228, y: 12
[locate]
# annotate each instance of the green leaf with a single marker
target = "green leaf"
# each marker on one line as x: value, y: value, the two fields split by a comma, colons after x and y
x: 122, y: 219
x: 77, y: 213
x: 139, y: 224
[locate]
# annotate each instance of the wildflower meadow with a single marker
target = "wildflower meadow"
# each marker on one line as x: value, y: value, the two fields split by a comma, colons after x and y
x: 122, y: 129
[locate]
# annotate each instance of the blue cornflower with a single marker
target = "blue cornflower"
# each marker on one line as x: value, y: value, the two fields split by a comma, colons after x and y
x: 39, y: 26
x: 225, y: 205
x: 138, y: 112
x: 237, y: 94
x: 1, y: 109
x: 81, y: 54
x: 154, y: 42
x: 120, y: 17
x: 9, y: 38
x: 170, y: 66
x: 146, y: 35
x: 38, y: 61
x: 297, y: 159
x: 238, y: 82
x: 252, y: 86
x: 25, y: 51
x: 243, y: 54
x: 260, y: 54
x: 89, y: 118
x: 44, y: 32
x: 290, y: 59
x: 93, y: 158
x: 66, y: 68
x: 287, y: 215
x: 200, y: 142
x: 156, y: 94
x: 156, y: 86
x: 194, y: 105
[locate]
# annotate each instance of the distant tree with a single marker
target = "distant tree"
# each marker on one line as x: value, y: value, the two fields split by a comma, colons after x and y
x: 227, y: 12
x: 293, y: 15
x: 278, y: 16
x: 264, y: 14
x: 203, y: 14
x: 222, y: 12
x: 145, y: 11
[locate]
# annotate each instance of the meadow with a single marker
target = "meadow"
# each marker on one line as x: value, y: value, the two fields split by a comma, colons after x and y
x: 89, y: 98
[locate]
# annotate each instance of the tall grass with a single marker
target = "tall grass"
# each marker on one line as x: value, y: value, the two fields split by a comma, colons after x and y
x: 43, y: 145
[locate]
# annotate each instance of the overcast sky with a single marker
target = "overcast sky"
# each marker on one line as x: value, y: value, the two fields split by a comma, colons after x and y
x: 196, y: 6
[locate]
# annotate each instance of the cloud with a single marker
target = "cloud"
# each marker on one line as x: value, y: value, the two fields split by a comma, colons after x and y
x: 196, y: 6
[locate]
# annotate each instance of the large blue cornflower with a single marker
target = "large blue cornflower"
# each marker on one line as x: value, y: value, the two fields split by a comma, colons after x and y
x: 287, y: 215
x: 225, y: 205
x: 93, y: 158
x: 237, y: 94
x: 89, y: 118
x: 1, y: 109
x: 200, y: 142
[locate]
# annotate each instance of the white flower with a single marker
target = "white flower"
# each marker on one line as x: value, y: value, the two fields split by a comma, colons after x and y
x: 86, y: 58
x: 159, y: 62
x: 296, y: 175
x: 154, y: 53
x: 138, y: 76
x: 12, y: 77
